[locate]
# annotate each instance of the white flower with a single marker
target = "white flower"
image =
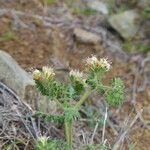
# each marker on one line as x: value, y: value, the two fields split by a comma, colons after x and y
x: 37, y: 75
x: 93, y: 63
x: 48, y: 71
x: 77, y: 74
x: 105, y: 64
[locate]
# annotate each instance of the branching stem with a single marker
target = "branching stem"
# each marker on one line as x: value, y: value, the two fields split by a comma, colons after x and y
x: 83, y: 98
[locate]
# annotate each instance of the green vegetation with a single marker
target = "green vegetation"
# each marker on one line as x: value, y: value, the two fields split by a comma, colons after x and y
x: 70, y: 96
x: 8, y: 36
x: 86, y: 11
x: 45, y: 144
x: 146, y: 13
x: 51, y: 2
x: 132, y: 147
x: 111, y: 4
x: 131, y: 46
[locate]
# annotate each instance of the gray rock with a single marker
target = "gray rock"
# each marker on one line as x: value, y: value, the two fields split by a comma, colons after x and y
x: 126, y: 23
x: 98, y: 6
x: 22, y: 83
x: 86, y: 36
x: 13, y: 75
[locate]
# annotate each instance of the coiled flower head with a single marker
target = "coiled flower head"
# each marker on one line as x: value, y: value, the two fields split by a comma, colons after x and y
x: 76, y: 74
x: 46, y: 73
x: 105, y: 64
x: 94, y: 64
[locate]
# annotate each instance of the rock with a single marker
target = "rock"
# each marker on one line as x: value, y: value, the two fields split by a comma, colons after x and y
x: 98, y: 6
x: 22, y: 83
x: 126, y: 23
x: 13, y: 75
x: 86, y: 36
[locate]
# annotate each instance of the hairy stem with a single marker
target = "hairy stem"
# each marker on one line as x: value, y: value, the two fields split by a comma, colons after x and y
x: 83, y: 98
x: 69, y: 134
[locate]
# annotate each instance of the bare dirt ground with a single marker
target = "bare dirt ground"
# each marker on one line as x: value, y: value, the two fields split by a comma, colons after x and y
x: 33, y: 44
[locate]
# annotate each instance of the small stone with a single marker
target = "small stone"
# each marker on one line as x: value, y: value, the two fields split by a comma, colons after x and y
x: 87, y: 37
x: 98, y: 6
x: 13, y: 75
x: 126, y: 23
x: 22, y: 84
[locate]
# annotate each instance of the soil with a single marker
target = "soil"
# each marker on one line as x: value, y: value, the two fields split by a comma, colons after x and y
x: 36, y: 46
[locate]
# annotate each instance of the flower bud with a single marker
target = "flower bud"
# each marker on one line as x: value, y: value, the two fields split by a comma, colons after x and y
x: 93, y: 63
x: 76, y: 74
x: 37, y: 75
x: 104, y: 64
x: 48, y: 72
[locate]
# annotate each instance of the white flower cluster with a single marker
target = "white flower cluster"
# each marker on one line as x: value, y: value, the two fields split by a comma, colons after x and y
x: 93, y: 62
x: 105, y: 64
x: 77, y: 74
x: 47, y: 72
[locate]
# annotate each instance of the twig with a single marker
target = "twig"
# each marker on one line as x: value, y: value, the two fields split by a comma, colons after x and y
x: 104, y: 126
x: 122, y: 136
x: 96, y: 126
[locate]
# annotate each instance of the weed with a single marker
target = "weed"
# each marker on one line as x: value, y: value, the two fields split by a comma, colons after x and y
x: 70, y: 96
x: 45, y: 144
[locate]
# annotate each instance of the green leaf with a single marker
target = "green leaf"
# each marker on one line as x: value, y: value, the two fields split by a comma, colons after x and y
x: 71, y: 113
x: 115, y: 95
x: 50, y: 145
x: 51, y: 117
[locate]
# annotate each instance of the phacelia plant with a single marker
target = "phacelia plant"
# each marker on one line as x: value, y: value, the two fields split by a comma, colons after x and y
x: 70, y: 96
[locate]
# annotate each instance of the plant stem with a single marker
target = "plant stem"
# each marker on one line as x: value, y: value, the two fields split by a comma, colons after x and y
x: 83, y: 98
x: 69, y: 134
